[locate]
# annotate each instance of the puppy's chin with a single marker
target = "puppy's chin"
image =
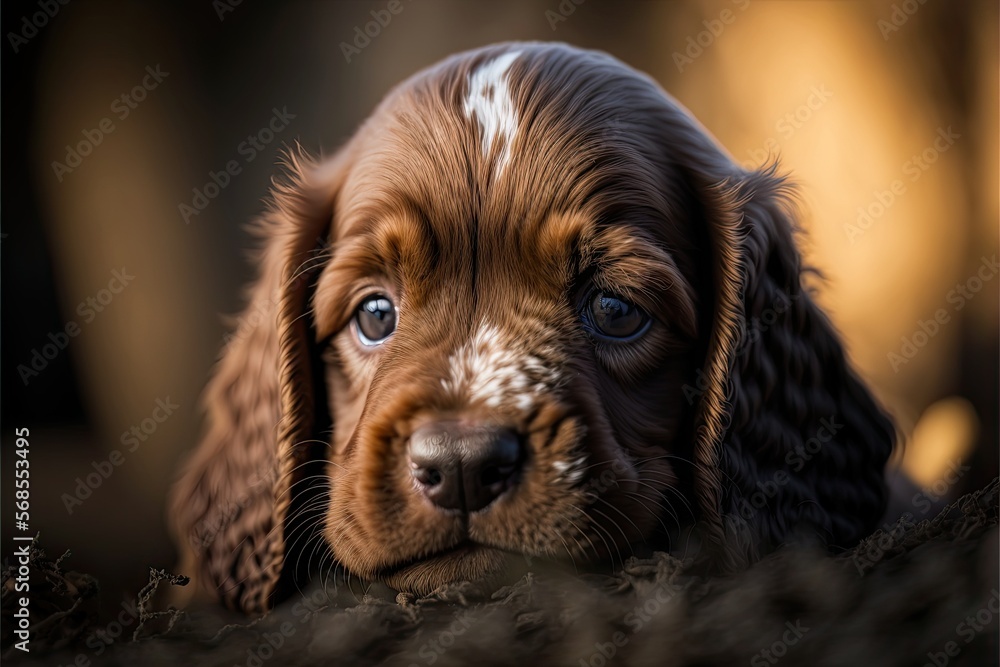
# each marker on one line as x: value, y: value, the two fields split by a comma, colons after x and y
x: 487, y: 568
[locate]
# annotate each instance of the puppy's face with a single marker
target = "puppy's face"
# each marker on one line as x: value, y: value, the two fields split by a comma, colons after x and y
x: 537, y: 328
x: 506, y: 329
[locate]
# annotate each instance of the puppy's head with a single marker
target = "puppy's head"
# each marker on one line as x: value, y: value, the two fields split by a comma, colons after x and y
x: 511, y: 318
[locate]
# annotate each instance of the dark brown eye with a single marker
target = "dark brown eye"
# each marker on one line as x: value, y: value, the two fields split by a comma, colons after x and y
x: 612, y: 317
x: 376, y: 319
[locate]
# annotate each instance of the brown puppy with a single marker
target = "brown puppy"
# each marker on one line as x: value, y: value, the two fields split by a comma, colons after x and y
x: 531, y: 308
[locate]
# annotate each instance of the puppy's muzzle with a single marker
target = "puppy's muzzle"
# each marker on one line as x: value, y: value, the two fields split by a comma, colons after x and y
x: 462, y: 467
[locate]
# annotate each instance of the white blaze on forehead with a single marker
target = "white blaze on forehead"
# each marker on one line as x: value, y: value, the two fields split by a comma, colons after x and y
x: 488, y: 370
x: 488, y: 99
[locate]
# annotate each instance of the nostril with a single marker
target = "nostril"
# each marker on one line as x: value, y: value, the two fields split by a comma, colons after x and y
x: 463, y: 468
x: 496, y: 474
x: 427, y: 476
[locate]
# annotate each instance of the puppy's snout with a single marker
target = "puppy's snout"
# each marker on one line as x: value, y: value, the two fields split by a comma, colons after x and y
x: 461, y: 467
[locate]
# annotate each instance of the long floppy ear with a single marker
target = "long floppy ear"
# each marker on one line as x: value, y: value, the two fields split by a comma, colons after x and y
x: 232, y: 506
x: 789, y: 441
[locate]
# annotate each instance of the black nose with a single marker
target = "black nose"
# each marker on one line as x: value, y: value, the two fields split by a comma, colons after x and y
x: 460, y: 467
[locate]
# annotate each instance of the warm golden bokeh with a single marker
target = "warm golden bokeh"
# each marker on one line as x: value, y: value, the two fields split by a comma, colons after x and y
x: 844, y: 102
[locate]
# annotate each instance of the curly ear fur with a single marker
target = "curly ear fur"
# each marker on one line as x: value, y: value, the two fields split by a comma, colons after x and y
x: 776, y: 390
x: 231, y: 510
x: 790, y: 442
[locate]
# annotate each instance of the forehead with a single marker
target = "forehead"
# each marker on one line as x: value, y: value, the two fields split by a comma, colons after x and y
x: 502, y: 140
x: 500, y: 169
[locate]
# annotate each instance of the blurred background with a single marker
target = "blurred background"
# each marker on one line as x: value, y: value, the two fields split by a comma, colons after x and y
x: 123, y: 234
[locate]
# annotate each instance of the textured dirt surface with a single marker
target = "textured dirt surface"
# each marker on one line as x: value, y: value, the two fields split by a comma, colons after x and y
x: 911, y: 594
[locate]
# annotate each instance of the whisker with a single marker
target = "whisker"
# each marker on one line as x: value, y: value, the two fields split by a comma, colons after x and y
x: 593, y: 547
x: 615, y: 524
x: 627, y: 518
x: 641, y: 501
x: 600, y: 532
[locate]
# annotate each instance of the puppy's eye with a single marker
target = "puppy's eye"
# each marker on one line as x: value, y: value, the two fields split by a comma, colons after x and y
x: 376, y: 319
x: 612, y: 317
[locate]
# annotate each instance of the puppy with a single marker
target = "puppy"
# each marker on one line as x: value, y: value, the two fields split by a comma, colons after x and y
x: 531, y: 308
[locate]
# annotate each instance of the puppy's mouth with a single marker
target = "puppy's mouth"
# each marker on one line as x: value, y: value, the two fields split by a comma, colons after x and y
x: 466, y: 561
x: 463, y: 550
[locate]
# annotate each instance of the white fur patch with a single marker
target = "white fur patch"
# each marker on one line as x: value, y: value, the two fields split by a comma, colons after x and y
x: 488, y: 99
x: 571, y: 471
x: 486, y: 370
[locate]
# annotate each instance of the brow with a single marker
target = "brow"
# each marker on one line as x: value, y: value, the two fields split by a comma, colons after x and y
x: 395, y: 244
x: 627, y: 262
x: 404, y: 243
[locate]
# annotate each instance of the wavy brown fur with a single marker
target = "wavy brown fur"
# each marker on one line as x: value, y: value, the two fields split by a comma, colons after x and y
x: 607, y: 161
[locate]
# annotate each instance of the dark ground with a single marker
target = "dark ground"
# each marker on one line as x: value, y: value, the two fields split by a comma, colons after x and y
x: 912, y: 594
